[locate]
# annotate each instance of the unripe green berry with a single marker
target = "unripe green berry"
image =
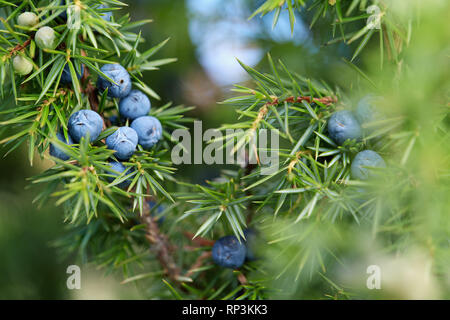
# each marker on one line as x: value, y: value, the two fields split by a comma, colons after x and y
x: 27, y: 19
x: 21, y: 65
x: 45, y: 38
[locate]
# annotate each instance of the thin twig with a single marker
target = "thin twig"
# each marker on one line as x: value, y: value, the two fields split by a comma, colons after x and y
x: 242, y: 278
x: 198, y: 263
x: 199, y: 241
x: 160, y: 243
x: 20, y: 47
x: 324, y: 100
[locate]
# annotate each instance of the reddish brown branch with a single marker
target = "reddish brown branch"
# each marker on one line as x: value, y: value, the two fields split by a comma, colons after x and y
x: 20, y: 47
x: 160, y: 244
x: 242, y: 279
x: 199, y: 241
x: 90, y: 89
x: 324, y: 100
x: 199, y: 262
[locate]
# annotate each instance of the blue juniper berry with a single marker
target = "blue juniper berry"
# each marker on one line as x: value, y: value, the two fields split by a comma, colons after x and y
x: 134, y: 105
x: 124, y: 141
x: 342, y: 126
x: 106, y: 15
x: 122, y: 86
x: 366, y: 158
x: 117, y: 168
x: 83, y: 122
x: 228, y: 252
x: 149, y: 130
x: 57, y: 152
x: 66, y: 76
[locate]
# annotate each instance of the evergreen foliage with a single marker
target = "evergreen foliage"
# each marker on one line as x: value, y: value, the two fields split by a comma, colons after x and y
x: 313, y: 219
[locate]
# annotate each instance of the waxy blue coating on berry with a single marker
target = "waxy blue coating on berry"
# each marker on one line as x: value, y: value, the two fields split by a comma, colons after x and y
x: 57, y: 152
x: 366, y: 158
x: 118, y: 167
x: 83, y: 122
x: 66, y: 76
x: 149, y: 130
x: 105, y: 15
x: 134, y: 105
x: 124, y: 141
x: 122, y: 86
x: 342, y: 126
x: 228, y: 252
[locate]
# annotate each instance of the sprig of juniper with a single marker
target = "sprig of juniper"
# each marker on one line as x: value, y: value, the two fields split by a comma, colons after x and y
x: 36, y: 106
x: 356, y: 21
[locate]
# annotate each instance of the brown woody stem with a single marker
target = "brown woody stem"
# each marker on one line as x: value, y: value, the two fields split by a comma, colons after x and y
x: 199, y: 262
x: 20, y: 47
x: 160, y: 243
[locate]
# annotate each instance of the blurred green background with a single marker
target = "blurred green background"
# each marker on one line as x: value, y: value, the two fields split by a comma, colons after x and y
x: 206, y: 36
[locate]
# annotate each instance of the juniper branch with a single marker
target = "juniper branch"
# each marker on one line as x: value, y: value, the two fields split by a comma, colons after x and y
x: 324, y: 100
x: 202, y: 242
x: 199, y: 262
x: 161, y: 244
x: 20, y: 47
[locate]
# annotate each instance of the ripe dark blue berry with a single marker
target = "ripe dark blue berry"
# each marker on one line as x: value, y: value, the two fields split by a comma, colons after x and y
x: 57, y: 152
x: 228, y: 252
x: 363, y: 159
x: 85, y: 122
x: 342, y: 126
x: 122, y: 86
x: 117, y: 168
x: 124, y: 141
x: 134, y: 105
x: 149, y: 130
x: 66, y: 76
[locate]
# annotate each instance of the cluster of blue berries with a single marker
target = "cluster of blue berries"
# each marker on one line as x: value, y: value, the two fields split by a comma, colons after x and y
x: 345, y: 125
x: 229, y: 252
x: 133, y: 105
